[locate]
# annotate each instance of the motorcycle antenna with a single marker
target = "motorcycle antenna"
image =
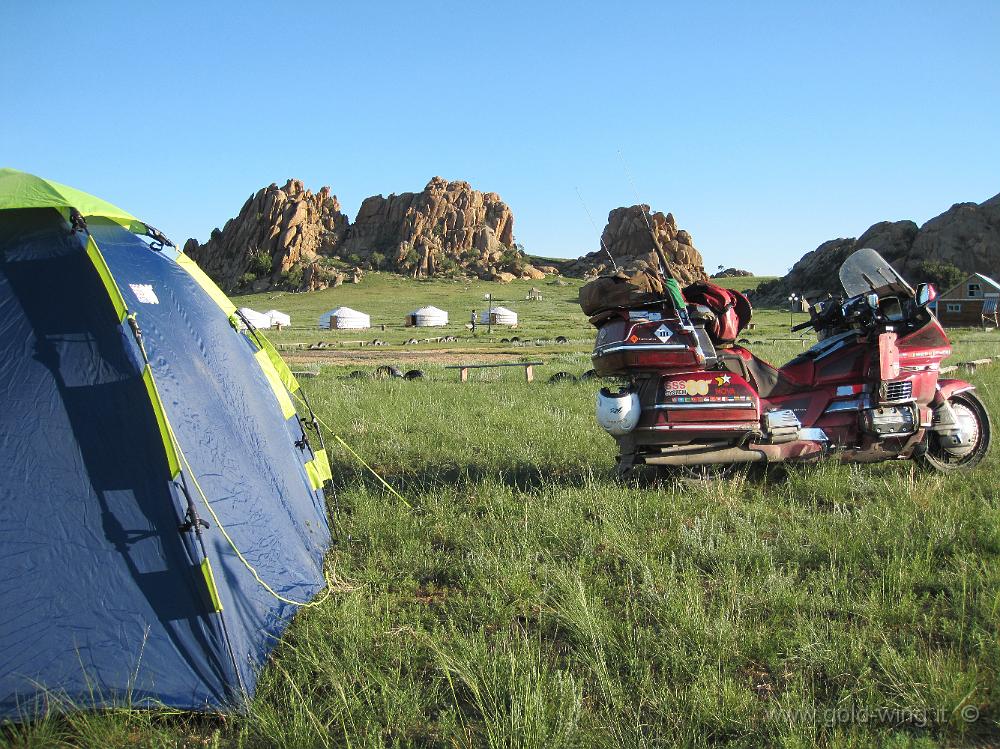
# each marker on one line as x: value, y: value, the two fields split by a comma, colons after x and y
x: 664, y: 273
x: 661, y: 256
x: 603, y: 245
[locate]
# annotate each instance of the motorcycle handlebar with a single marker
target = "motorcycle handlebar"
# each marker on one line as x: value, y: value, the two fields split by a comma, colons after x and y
x: 802, y: 326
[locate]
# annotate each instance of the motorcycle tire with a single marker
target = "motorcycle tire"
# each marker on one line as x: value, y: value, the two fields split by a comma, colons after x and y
x: 938, y: 458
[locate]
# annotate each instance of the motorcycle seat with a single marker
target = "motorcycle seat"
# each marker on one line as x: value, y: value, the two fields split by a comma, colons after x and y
x: 767, y: 379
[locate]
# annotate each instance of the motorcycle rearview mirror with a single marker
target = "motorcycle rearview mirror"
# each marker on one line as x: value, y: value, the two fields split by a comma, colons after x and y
x: 872, y: 300
x: 926, y: 293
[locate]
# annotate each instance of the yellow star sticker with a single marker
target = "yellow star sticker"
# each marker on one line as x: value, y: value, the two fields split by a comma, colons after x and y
x: 723, y: 380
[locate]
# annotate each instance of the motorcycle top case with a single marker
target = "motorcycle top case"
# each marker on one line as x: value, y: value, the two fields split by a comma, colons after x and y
x: 634, y: 340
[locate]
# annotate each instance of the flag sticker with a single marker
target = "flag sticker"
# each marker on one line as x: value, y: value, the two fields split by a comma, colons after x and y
x: 144, y: 293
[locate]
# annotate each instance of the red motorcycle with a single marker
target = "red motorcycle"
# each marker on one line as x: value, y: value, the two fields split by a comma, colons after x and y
x: 869, y: 390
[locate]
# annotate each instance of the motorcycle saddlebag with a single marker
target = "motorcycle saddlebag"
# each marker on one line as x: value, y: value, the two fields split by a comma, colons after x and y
x: 732, y: 310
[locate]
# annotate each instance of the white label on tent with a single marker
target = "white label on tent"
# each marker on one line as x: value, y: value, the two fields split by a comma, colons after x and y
x: 663, y: 333
x: 144, y: 293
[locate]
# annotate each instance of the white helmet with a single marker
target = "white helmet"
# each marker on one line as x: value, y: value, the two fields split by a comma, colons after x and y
x: 618, y: 413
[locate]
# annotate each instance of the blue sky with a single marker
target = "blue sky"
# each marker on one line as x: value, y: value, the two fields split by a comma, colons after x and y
x: 766, y: 128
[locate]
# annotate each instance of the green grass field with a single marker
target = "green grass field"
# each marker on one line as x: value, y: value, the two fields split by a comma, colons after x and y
x: 521, y: 597
x: 388, y: 298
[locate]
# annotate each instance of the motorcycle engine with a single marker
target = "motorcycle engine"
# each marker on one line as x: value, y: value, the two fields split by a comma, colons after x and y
x: 890, y: 421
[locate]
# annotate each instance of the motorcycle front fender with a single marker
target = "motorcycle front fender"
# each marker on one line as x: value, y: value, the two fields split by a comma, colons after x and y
x: 948, y: 388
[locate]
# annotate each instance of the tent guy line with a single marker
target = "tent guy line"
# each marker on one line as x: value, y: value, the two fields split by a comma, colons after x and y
x: 361, y: 460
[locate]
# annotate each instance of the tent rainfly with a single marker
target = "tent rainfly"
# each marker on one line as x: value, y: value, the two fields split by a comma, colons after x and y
x: 427, y: 317
x: 162, y: 517
x: 498, y: 316
x: 259, y: 320
x: 278, y: 319
x: 345, y: 318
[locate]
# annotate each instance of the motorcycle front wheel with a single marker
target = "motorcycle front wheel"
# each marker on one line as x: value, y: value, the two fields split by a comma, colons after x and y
x: 971, y: 411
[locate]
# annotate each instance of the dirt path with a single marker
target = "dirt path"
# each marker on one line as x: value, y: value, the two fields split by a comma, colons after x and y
x: 379, y: 355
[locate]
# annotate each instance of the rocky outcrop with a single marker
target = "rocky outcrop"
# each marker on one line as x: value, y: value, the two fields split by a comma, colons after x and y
x: 291, y: 237
x: 732, y: 273
x: 629, y: 239
x: 532, y: 273
x: 447, y: 225
x: 966, y: 236
x: 277, y: 230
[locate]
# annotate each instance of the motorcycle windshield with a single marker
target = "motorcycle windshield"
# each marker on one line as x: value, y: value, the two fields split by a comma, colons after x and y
x: 866, y: 271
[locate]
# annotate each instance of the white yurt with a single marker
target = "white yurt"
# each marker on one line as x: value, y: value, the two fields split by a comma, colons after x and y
x: 258, y: 319
x: 343, y: 318
x: 278, y: 319
x: 427, y: 317
x: 498, y: 316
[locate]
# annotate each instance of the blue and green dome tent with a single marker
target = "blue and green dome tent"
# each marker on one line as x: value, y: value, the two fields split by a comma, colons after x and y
x: 161, y: 504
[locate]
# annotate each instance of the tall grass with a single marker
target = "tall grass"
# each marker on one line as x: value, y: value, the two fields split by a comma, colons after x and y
x: 527, y: 599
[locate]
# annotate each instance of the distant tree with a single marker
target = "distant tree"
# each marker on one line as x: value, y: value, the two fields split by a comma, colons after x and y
x: 260, y: 262
x: 447, y: 266
x: 513, y: 259
x: 767, y: 288
x: 377, y: 259
x: 410, y: 258
x: 294, y: 276
x: 942, y: 275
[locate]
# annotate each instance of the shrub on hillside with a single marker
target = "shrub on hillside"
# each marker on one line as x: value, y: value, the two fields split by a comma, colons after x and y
x: 260, y: 262
x: 294, y: 276
x: 942, y: 275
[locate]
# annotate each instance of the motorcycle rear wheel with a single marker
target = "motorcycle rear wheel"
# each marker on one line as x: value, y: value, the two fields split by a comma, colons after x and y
x: 937, y: 455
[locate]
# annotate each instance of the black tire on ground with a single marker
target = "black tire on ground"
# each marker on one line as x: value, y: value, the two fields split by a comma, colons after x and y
x: 514, y: 339
x: 590, y: 374
x: 357, y: 374
x: 414, y: 374
x: 562, y: 377
x: 386, y: 371
x: 411, y: 342
x: 561, y: 339
x: 505, y: 340
x: 937, y: 457
x: 744, y: 341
